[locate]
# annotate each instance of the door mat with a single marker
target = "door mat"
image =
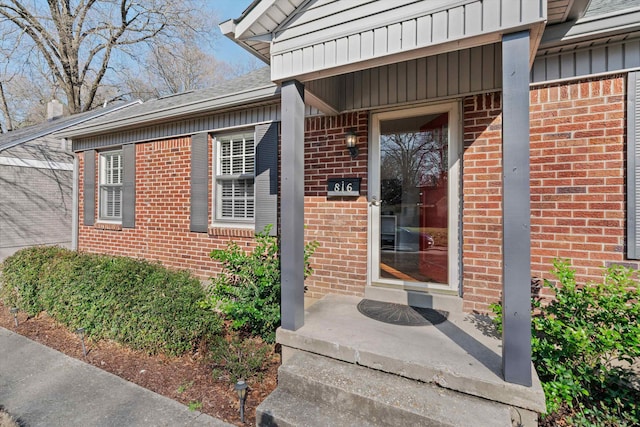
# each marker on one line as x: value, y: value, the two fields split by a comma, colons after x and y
x: 400, y: 314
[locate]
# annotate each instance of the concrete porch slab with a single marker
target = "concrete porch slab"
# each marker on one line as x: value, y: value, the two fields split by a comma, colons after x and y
x: 459, y: 354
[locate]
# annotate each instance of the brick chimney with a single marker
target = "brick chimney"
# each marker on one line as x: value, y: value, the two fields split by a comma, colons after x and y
x: 54, y: 110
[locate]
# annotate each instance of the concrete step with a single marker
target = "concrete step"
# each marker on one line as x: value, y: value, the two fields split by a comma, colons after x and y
x: 345, y: 389
x: 283, y: 409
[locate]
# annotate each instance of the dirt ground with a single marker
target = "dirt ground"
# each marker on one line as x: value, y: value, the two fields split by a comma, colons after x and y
x: 186, y: 379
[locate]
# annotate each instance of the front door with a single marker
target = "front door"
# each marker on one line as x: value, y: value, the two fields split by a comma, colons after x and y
x: 414, y: 198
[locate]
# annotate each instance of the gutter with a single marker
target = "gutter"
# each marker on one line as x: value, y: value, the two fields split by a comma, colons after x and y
x: 175, y: 112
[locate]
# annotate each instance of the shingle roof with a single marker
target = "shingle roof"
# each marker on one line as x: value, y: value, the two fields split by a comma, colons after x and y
x: 29, y: 133
x: 254, y: 86
x: 602, y: 7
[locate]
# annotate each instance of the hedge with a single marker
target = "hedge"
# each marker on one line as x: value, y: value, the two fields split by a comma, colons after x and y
x: 134, y: 302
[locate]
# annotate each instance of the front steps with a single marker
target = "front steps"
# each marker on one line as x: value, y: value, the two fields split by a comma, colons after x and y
x: 342, y: 368
x: 315, y: 390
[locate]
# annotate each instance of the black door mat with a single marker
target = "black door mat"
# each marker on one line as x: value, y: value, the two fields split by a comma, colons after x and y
x: 400, y: 314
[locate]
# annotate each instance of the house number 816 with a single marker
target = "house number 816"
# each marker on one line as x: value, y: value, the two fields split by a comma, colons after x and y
x: 341, y: 186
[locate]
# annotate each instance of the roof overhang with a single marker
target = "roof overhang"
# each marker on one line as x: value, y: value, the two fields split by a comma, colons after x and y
x: 310, y: 47
x: 197, y: 108
x: 592, y: 28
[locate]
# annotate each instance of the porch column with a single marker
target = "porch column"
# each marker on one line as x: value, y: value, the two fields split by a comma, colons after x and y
x: 292, y: 206
x: 516, y: 211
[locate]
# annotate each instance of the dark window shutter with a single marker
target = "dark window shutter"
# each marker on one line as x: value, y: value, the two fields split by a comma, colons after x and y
x: 89, y: 187
x: 266, y: 178
x: 633, y: 166
x: 200, y: 182
x: 129, y: 186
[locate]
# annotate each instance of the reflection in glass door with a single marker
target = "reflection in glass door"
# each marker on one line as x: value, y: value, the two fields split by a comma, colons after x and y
x: 413, y: 204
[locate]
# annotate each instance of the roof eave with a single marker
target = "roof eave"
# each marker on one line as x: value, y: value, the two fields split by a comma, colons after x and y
x: 58, y: 131
x: 197, y: 108
x: 591, y: 29
x: 228, y: 29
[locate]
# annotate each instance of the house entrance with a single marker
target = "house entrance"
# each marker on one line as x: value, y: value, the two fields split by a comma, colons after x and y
x: 413, y: 203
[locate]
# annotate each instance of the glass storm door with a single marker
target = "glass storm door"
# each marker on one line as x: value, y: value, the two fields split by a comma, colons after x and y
x: 415, y: 177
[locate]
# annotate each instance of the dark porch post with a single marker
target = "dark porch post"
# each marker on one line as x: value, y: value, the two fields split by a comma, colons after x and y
x: 516, y: 211
x: 292, y: 206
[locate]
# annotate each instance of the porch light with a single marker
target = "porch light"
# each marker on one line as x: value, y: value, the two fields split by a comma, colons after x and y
x: 241, y: 389
x: 80, y: 332
x: 14, y: 311
x: 351, y: 139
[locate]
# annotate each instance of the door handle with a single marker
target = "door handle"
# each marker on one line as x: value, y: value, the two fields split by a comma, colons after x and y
x: 375, y: 202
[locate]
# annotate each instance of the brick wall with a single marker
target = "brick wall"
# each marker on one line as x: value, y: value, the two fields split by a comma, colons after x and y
x: 577, y: 183
x: 578, y: 175
x: 161, y: 231
x: 577, y: 195
x: 338, y: 224
x: 163, y: 202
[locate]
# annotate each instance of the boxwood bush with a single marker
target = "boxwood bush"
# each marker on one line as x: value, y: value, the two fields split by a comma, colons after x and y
x: 584, y: 342
x: 134, y: 302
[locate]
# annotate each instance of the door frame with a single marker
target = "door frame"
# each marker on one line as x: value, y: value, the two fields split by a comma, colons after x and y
x: 454, y: 285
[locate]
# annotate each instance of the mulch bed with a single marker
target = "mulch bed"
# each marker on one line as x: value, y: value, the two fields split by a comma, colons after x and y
x: 187, y: 379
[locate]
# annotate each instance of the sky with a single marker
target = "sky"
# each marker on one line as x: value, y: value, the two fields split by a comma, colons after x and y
x: 225, y: 48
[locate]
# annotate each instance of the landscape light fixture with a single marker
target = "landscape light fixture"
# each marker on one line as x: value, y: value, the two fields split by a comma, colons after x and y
x: 14, y: 311
x: 80, y: 332
x: 352, y: 138
x: 241, y: 389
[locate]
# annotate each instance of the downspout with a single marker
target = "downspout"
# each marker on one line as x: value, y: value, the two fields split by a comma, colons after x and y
x: 74, y: 198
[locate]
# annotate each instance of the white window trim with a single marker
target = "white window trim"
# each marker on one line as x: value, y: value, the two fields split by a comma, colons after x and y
x: 101, y: 175
x: 216, y: 172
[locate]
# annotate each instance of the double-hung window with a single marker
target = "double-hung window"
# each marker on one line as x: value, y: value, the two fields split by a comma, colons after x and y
x: 234, y: 179
x: 110, y: 174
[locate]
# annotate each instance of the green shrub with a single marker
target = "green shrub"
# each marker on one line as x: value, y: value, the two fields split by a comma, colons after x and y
x: 137, y: 303
x: 20, y: 280
x: 583, y: 341
x: 235, y: 357
x: 247, y: 290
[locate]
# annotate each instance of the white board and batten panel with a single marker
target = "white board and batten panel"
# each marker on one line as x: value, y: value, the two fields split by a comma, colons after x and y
x: 328, y: 34
x: 588, y: 60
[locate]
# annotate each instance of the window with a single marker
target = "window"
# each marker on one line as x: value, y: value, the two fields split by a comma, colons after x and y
x: 234, y: 178
x: 111, y: 169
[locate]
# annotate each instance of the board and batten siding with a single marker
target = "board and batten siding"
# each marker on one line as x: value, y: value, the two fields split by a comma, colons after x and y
x: 440, y: 76
x: 586, y: 61
x: 245, y: 117
x: 327, y: 34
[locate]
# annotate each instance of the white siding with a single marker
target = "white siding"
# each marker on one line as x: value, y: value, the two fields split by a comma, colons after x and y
x: 333, y: 33
x: 585, y: 61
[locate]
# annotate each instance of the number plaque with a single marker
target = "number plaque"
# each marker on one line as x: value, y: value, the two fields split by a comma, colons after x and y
x: 343, y: 187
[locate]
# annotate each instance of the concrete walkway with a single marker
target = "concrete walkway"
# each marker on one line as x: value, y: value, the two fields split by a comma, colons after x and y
x: 40, y: 386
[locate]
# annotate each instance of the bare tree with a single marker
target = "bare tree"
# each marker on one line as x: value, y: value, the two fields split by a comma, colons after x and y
x: 77, y: 40
x: 169, y: 70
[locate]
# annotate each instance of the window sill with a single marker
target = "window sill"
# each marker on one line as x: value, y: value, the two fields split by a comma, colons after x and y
x: 108, y: 226
x: 230, y: 232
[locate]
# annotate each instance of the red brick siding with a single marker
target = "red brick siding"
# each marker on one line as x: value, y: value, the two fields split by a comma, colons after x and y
x: 163, y: 202
x: 338, y: 224
x: 482, y: 201
x: 578, y: 175
x: 577, y: 195
x: 162, y: 214
x: 577, y: 183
